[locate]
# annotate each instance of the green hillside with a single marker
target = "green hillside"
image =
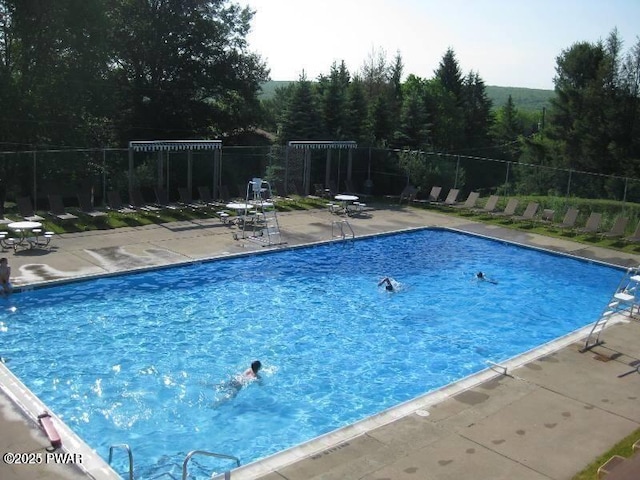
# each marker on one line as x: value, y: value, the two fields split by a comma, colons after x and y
x: 525, y: 99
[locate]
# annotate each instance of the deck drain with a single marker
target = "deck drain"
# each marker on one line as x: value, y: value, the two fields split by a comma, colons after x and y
x: 422, y: 413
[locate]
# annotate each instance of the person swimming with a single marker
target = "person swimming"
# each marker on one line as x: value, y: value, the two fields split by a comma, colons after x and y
x: 481, y: 276
x: 388, y: 285
x: 228, y: 389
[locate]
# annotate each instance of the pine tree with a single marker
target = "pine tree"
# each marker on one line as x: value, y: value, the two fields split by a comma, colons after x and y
x: 302, y: 120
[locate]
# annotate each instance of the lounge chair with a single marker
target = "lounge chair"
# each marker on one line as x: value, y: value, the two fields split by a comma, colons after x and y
x: 115, y: 203
x: 547, y: 215
x: 224, y: 194
x: 452, y: 197
x: 86, y: 206
x: 529, y: 212
x: 509, y: 210
x: 56, y: 208
x: 320, y: 191
x: 137, y: 200
x: 162, y: 199
x: 570, y: 218
x: 26, y: 210
x: 352, y: 189
x: 490, y: 206
x: 408, y: 193
x: 434, y: 194
x: 206, y: 198
x: 470, y: 202
x: 618, y: 228
x: 592, y: 225
x: 636, y: 235
x: 186, y: 198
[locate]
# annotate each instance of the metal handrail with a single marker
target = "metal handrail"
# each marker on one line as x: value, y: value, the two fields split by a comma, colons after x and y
x: 340, y: 225
x: 227, y: 474
x: 125, y: 447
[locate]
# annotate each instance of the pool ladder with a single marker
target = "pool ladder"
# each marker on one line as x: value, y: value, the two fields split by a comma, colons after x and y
x: 624, y: 299
x: 227, y: 473
x: 342, y: 228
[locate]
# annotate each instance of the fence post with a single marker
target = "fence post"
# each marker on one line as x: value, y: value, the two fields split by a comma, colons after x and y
x: 506, y: 180
x: 104, y: 176
x: 455, y: 181
x: 35, y: 181
x: 569, y: 185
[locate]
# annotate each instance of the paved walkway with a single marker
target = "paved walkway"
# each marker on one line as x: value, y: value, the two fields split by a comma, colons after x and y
x: 555, y: 411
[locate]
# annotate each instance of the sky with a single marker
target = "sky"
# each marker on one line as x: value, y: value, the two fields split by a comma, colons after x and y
x: 509, y: 43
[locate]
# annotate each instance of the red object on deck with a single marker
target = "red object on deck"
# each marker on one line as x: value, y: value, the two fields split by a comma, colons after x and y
x: 49, y: 428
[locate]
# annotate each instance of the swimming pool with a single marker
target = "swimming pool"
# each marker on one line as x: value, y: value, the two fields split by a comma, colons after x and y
x: 139, y: 359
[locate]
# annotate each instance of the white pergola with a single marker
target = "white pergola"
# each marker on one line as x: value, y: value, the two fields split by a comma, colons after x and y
x: 328, y: 145
x: 167, y: 146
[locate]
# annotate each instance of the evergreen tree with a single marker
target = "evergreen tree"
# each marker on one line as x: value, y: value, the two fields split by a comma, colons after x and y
x: 477, y: 113
x: 413, y: 130
x: 302, y: 120
x: 333, y: 94
x: 450, y: 75
x: 506, y: 130
x: 356, y: 113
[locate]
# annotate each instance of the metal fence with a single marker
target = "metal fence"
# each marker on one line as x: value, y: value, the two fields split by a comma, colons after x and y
x: 290, y: 171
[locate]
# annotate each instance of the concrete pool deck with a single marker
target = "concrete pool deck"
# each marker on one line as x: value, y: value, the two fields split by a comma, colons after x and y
x: 553, y: 413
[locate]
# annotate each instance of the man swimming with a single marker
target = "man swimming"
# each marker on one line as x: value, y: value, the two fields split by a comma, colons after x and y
x: 252, y: 371
x: 389, y: 286
x: 228, y: 389
x: 483, y: 277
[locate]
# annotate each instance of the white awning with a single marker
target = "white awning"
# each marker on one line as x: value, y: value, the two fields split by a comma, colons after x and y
x: 323, y: 144
x: 174, y: 145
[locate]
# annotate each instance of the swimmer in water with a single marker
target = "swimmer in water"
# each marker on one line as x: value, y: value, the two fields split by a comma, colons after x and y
x: 5, y: 276
x: 230, y: 388
x: 388, y: 285
x: 481, y: 276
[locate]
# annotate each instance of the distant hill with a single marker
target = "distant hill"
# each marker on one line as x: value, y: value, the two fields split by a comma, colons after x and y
x: 525, y: 99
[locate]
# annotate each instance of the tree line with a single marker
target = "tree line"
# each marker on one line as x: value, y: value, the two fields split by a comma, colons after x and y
x: 98, y: 73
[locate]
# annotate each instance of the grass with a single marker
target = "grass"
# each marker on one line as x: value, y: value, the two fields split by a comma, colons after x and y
x: 624, y: 448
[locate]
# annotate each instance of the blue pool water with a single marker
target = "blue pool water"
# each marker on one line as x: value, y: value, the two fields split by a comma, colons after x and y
x: 143, y: 358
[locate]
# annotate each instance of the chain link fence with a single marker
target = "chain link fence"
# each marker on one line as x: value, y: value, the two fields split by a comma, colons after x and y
x: 379, y: 172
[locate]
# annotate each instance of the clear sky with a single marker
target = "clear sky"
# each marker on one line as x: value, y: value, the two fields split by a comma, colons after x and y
x: 510, y: 43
